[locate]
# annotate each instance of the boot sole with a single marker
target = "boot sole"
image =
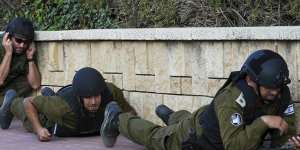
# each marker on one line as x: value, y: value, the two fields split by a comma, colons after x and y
x: 108, y: 140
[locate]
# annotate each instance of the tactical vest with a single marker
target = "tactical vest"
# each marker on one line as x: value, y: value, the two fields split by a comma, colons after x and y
x: 85, y: 124
x: 211, y: 139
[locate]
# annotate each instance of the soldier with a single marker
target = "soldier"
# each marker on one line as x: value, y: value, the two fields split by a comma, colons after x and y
x: 254, y: 102
x: 75, y: 110
x: 18, y: 69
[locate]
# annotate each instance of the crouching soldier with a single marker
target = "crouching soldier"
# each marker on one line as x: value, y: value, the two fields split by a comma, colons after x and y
x: 75, y: 110
x: 18, y: 59
x: 254, y: 102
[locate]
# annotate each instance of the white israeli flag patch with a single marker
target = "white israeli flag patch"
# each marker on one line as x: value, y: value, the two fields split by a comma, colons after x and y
x: 236, y: 119
x: 290, y: 110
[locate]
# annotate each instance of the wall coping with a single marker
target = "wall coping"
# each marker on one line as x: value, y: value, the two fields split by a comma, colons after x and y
x: 191, y: 33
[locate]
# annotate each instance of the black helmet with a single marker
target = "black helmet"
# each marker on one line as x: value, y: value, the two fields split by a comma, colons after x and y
x: 21, y: 28
x: 267, y: 68
x: 88, y: 82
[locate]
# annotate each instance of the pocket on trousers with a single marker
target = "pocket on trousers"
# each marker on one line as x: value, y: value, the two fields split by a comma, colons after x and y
x: 160, y: 138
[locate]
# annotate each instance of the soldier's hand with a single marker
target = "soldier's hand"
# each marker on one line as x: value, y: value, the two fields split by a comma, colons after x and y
x: 30, y: 51
x: 275, y: 122
x: 7, y: 43
x: 295, y: 140
x: 43, y: 135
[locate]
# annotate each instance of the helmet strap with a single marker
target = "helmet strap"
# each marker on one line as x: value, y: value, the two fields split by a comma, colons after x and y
x: 84, y: 111
x: 258, y: 90
x: 264, y: 101
x: 82, y: 104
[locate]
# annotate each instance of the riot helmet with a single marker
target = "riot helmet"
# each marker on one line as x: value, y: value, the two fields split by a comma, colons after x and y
x: 267, y: 69
x: 88, y: 82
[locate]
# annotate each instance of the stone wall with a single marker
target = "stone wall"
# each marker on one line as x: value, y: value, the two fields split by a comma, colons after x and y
x: 182, y: 68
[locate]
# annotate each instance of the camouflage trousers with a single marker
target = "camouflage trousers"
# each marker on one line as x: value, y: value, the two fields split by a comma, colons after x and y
x: 155, y: 137
x: 18, y: 110
x: 20, y: 85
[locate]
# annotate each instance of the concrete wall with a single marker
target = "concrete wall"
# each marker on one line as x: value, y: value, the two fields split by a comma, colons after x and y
x: 180, y: 67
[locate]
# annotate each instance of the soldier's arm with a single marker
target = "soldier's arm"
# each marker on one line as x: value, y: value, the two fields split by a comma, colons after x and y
x: 119, y: 97
x: 289, y: 117
x: 237, y: 135
x: 32, y: 114
x: 6, y: 61
x: 246, y: 137
x: 53, y: 107
x: 33, y: 76
x: 234, y: 133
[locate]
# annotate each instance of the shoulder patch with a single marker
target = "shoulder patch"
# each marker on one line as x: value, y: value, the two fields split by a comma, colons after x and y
x: 241, y: 100
x: 236, y: 119
x: 289, y: 110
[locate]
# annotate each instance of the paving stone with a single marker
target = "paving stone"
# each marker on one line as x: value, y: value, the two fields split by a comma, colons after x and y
x: 151, y: 101
x: 141, y: 58
x: 257, y: 45
x: 136, y: 101
x: 42, y: 53
x: 126, y: 95
x: 228, y: 58
x: 298, y: 92
x: 200, y: 101
x: 214, y: 85
x: 101, y: 56
x: 127, y: 65
x: 145, y: 83
x: 179, y: 58
x: 55, y: 78
x: 199, y: 68
x: 77, y: 55
x: 186, y: 85
x: 297, y: 108
x: 288, y: 50
x: 298, y: 60
x: 175, y: 86
x: 56, y: 56
x: 178, y: 102
x: 214, y: 54
x: 159, y: 53
x: 117, y: 79
x: 235, y: 54
x: 49, y: 76
x: 108, y: 77
x: 16, y: 138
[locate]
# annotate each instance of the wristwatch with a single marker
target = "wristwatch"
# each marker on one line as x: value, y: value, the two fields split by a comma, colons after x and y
x: 29, y: 60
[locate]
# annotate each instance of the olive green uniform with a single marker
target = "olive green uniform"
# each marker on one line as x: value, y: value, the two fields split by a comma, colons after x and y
x: 17, y: 76
x: 227, y: 103
x: 54, y: 109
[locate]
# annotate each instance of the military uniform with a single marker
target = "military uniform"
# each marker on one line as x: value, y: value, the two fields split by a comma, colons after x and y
x: 58, y: 111
x: 232, y: 121
x: 17, y: 77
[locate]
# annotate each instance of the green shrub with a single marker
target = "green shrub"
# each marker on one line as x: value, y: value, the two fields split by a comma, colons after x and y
x: 90, y: 14
x: 148, y: 13
x: 65, y: 14
x: 243, y: 13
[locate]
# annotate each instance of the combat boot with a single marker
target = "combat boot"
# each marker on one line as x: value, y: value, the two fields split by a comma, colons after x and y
x: 163, y: 112
x: 46, y: 91
x: 110, y: 126
x: 5, y: 114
